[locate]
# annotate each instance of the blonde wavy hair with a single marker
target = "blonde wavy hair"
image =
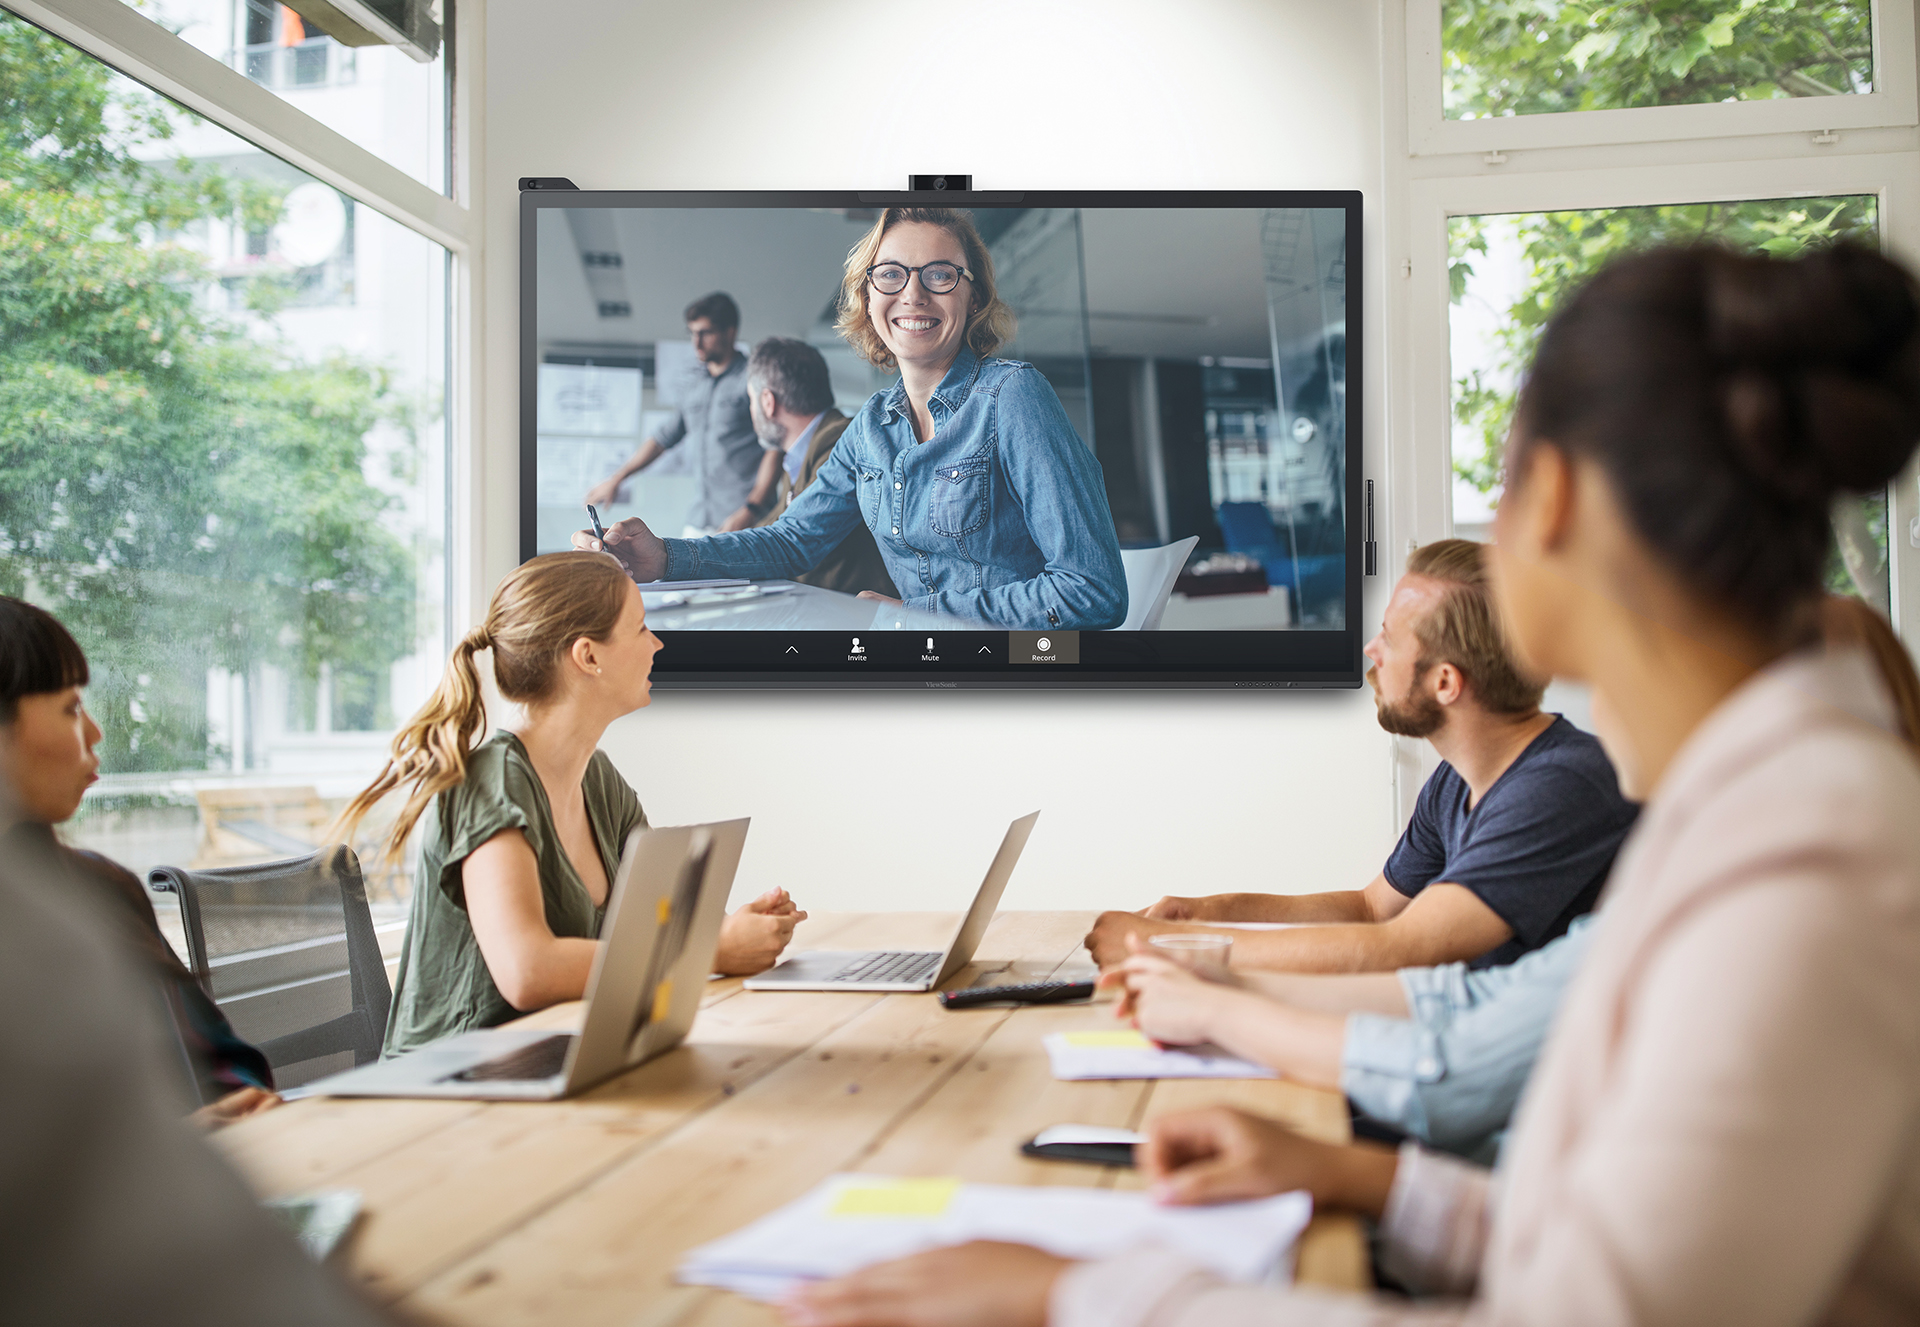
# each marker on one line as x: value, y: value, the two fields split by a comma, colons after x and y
x: 990, y: 322
x: 539, y: 611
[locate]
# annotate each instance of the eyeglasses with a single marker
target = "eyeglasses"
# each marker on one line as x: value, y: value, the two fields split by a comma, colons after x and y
x: 935, y: 278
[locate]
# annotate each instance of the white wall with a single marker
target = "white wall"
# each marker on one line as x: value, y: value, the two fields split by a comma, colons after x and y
x: 893, y: 800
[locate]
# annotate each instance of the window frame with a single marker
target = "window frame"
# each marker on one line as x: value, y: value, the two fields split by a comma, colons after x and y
x: 1891, y: 177
x: 1892, y: 104
x: 136, y: 46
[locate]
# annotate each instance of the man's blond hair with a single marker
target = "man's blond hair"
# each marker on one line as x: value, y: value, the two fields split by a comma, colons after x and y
x: 1463, y: 628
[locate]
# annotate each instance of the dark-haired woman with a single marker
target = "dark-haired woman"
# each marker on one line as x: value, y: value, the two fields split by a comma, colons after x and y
x: 47, y: 740
x: 1723, y: 1124
x: 527, y: 828
x: 985, y: 503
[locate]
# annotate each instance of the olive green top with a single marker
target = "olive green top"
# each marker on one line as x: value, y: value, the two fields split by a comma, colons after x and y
x: 443, y: 986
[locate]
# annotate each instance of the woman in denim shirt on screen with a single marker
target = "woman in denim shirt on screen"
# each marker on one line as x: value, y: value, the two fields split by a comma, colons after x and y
x: 985, y: 503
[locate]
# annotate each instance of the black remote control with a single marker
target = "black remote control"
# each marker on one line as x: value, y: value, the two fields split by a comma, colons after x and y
x: 1032, y: 992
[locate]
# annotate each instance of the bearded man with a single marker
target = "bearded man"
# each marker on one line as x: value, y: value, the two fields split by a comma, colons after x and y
x: 1511, y: 838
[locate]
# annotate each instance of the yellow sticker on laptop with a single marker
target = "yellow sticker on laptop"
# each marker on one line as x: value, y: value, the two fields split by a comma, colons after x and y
x: 904, y: 1197
x: 1120, y: 1039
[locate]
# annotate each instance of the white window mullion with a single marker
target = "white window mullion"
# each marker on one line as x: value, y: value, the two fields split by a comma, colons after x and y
x: 141, y: 49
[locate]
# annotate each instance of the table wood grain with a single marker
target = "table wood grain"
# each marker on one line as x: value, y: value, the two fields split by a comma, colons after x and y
x: 577, y: 1211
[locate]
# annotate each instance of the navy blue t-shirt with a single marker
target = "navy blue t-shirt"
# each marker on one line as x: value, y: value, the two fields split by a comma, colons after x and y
x: 1536, y: 849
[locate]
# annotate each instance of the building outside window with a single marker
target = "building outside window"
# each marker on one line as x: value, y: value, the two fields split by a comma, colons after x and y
x: 223, y: 461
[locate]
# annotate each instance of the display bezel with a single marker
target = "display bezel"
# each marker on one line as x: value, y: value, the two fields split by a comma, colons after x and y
x: 749, y: 660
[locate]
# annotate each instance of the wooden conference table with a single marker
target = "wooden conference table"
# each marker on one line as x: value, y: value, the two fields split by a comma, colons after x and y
x: 577, y: 1211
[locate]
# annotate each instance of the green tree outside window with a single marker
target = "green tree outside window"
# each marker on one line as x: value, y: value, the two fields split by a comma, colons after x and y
x: 1534, y: 57
x: 177, y: 485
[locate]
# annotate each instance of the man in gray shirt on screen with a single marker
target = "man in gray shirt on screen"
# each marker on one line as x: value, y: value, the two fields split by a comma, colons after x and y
x: 733, y: 470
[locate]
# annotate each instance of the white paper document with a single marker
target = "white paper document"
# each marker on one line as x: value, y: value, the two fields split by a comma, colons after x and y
x: 1124, y: 1053
x: 1086, y: 1133
x: 852, y: 1221
x: 675, y: 587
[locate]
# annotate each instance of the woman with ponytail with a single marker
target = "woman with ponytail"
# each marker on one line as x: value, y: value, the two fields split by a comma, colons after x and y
x: 521, y: 834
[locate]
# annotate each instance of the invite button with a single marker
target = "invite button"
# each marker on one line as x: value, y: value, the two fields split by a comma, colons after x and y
x: 1043, y: 647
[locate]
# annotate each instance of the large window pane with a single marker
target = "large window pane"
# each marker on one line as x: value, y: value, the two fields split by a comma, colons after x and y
x: 1532, y: 57
x: 222, y: 458
x: 1509, y: 272
x: 377, y: 96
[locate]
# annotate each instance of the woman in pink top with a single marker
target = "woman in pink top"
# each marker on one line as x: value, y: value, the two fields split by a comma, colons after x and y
x: 1725, y: 1123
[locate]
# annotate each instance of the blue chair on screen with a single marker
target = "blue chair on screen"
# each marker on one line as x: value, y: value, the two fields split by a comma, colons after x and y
x: 1248, y: 528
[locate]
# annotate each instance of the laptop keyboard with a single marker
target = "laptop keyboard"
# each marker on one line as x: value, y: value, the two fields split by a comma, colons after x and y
x: 891, y: 967
x: 541, y: 1059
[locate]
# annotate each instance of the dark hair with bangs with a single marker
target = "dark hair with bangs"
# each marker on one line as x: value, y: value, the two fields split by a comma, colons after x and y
x: 37, y: 655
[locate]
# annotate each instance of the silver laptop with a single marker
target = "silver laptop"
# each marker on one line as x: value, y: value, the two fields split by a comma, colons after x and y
x: 662, y: 927
x: 903, y: 970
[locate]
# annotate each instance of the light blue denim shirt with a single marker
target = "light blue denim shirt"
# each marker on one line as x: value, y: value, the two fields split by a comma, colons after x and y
x: 1000, y: 517
x: 1452, y: 1074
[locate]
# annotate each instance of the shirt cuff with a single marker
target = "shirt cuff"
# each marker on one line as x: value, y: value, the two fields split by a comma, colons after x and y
x: 1145, y: 1288
x: 1436, y: 995
x: 1434, y: 1231
x: 683, y: 563
x: 1383, y: 1064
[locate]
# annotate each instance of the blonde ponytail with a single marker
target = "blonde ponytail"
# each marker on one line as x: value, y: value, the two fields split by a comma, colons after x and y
x: 539, y: 611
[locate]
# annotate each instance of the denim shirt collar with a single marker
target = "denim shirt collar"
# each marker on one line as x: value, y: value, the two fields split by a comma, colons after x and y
x: 951, y: 393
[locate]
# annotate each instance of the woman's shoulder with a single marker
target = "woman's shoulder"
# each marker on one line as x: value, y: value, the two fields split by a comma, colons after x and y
x: 1014, y: 384
x: 500, y: 785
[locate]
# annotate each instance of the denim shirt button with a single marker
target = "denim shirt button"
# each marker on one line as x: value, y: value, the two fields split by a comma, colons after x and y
x: 896, y: 529
x: 898, y: 484
x: 954, y: 475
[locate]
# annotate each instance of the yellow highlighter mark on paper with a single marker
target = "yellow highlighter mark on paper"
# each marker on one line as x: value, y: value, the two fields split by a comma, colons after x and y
x: 911, y: 1197
x: 1118, y: 1040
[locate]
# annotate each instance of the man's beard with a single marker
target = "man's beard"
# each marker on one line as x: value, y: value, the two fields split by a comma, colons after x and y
x: 1415, y: 715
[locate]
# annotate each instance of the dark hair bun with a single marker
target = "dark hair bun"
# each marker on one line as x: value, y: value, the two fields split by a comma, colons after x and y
x: 1822, y: 361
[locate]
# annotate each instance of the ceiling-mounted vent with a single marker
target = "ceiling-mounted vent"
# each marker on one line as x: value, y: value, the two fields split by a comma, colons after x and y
x: 615, y: 308
x: 601, y: 260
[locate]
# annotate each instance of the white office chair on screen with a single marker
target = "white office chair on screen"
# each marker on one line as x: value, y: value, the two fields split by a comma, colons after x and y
x: 1151, y: 573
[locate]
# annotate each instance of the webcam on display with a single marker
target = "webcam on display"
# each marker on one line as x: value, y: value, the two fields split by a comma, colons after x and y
x: 939, y: 183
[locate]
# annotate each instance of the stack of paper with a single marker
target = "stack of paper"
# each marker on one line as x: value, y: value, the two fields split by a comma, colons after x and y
x: 853, y: 1221
x: 1124, y: 1053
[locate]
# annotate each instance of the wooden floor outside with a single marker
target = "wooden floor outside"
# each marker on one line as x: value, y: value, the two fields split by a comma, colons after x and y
x: 577, y: 1211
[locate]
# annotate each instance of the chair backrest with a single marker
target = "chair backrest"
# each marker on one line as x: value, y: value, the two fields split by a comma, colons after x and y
x: 1247, y: 527
x: 1151, y: 573
x: 288, y: 951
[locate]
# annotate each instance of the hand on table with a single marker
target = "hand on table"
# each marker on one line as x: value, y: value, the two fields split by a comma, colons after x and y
x: 1222, y: 1155
x: 970, y: 1285
x: 1175, y: 1006
x: 753, y: 937
x: 1107, y: 941
x: 875, y: 596
x: 642, y: 552
x: 234, y: 1107
x: 1173, y: 908
x: 740, y: 520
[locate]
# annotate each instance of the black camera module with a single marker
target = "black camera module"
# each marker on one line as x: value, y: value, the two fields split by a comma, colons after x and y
x: 938, y: 183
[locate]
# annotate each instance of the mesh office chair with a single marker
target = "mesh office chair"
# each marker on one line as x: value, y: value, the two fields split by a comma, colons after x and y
x: 287, y: 949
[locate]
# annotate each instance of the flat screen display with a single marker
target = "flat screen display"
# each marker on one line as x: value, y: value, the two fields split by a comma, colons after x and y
x: 1140, y: 467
